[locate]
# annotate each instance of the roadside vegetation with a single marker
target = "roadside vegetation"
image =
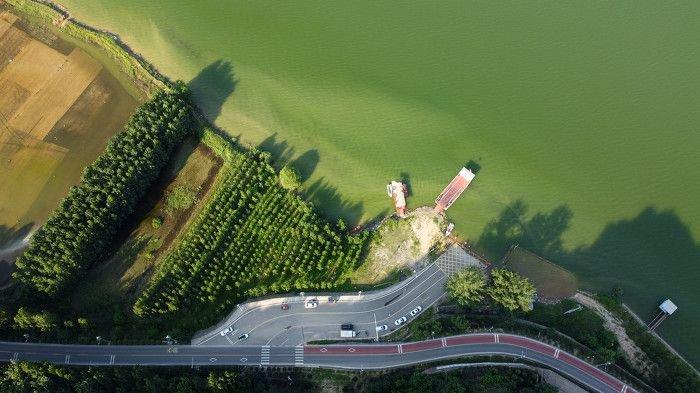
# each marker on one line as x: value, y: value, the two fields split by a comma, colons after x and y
x: 23, y: 377
x: 85, y: 222
x: 505, y: 288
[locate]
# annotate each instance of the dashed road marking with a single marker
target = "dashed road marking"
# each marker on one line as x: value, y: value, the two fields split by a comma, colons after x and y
x: 495, y: 336
x: 111, y: 359
x: 556, y: 353
x: 444, y: 342
x: 265, y: 355
x: 67, y: 359
x: 15, y: 356
x: 624, y: 389
x: 299, y: 355
x: 400, y: 347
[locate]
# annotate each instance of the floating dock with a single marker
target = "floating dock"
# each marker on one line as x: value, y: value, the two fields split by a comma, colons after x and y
x: 453, y: 190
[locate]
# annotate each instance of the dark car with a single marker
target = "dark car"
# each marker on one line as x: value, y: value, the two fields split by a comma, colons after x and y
x: 285, y: 306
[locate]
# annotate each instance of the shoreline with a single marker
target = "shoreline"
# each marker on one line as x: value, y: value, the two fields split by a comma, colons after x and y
x: 146, y: 66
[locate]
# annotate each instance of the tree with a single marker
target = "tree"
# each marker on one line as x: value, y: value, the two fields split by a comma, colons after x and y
x: 511, y: 290
x: 289, y: 178
x: 43, y: 321
x: 467, y: 287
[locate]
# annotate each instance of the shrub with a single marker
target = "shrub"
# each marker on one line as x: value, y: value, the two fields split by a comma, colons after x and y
x: 157, y: 222
x: 180, y: 198
x: 289, y: 178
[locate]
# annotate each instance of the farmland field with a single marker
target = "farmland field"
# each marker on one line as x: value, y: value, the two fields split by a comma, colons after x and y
x: 588, y: 106
x: 58, y: 107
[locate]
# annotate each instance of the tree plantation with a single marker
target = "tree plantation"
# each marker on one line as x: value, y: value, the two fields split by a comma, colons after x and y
x: 87, y: 219
x: 252, y: 238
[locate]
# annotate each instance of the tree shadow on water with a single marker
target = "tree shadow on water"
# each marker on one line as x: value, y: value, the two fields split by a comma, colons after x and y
x: 335, y: 206
x: 541, y: 233
x: 212, y: 87
x: 651, y: 257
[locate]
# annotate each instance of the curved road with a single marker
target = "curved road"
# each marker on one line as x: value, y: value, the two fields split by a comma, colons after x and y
x: 348, y: 356
x: 268, y: 324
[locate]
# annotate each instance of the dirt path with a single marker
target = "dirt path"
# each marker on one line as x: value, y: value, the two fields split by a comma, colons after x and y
x: 631, y: 351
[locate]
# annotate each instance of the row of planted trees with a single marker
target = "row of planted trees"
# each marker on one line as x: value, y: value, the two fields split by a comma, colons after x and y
x: 252, y: 238
x: 85, y: 222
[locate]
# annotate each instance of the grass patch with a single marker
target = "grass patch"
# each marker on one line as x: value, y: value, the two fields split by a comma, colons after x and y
x: 552, y: 281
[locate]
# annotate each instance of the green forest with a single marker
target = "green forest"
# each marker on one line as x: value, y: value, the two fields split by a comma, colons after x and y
x: 85, y: 222
x: 254, y: 237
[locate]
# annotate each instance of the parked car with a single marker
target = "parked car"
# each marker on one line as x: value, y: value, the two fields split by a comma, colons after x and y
x: 416, y: 310
x: 400, y: 321
x: 242, y: 337
x: 227, y: 330
x: 285, y: 306
x: 382, y: 327
x: 311, y: 304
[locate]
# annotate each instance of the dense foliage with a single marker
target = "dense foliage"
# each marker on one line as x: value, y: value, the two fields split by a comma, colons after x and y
x: 467, y: 287
x: 86, y: 220
x: 511, y: 290
x: 584, y: 325
x: 480, y: 380
x: 252, y: 238
x: 290, y: 178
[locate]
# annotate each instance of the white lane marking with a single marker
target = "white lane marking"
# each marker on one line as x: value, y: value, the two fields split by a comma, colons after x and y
x: 299, y: 355
x: 444, y: 342
x: 111, y: 359
x: 67, y: 359
x: 624, y: 389
x: 400, y: 286
x: 324, y: 349
x: 212, y: 360
x: 495, y: 336
x: 351, y: 349
x: 243, y: 360
x: 556, y: 353
x: 400, y: 348
x: 265, y: 355
x: 15, y: 356
x: 229, y: 340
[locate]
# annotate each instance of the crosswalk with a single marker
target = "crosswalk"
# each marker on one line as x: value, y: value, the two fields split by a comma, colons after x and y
x: 299, y: 355
x: 265, y: 355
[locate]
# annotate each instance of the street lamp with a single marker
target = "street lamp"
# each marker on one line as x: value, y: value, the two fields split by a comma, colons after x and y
x: 169, y: 340
x: 100, y: 339
x: 26, y: 337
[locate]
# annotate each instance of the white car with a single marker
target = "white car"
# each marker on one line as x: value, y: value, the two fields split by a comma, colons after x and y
x: 227, y: 330
x: 311, y: 304
x: 382, y: 327
x: 416, y: 310
x: 400, y: 321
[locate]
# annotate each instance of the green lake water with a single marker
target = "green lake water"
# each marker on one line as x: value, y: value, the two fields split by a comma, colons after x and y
x: 584, y: 118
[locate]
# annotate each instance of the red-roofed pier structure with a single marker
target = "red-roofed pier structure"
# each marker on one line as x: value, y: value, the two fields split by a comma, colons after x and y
x: 453, y: 190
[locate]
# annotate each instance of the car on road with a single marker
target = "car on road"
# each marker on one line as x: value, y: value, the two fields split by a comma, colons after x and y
x: 285, y: 306
x: 242, y: 337
x: 382, y: 327
x: 400, y: 321
x: 227, y: 330
x: 416, y: 310
x: 311, y: 304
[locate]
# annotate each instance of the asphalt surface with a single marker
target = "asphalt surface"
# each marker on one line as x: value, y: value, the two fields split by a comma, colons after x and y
x: 347, y: 356
x: 271, y: 325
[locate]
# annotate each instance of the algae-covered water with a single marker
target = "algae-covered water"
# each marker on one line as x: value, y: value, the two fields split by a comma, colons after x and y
x: 582, y: 115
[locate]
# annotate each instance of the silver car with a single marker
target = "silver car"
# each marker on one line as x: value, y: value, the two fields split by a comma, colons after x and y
x: 227, y: 330
x: 416, y: 310
x: 400, y: 321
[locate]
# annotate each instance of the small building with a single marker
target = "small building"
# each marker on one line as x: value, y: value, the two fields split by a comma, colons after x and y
x: 667, y: 308
x: 398, y: 192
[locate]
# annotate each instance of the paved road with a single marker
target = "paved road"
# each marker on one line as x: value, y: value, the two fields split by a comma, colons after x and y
x: 270, y: 325
x: 348, y: 356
